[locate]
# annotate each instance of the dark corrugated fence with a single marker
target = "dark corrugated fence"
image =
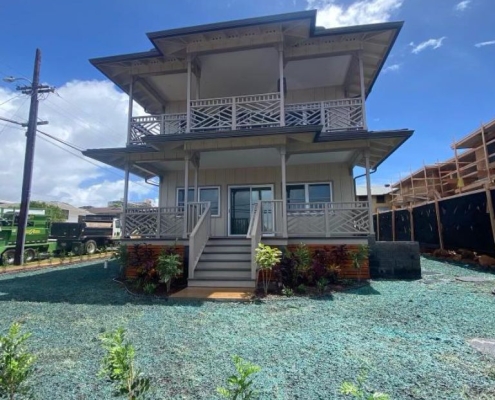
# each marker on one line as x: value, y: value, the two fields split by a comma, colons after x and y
x: 465, y: 222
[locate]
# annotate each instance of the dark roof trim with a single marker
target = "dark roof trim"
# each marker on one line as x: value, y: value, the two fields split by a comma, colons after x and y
x: 392, y: 151
x: 120, y: 150
x: 358, y: 135
x: 278, y: 130
x: 346, y: 30
x: 235, y: 24
x: 126, y: 57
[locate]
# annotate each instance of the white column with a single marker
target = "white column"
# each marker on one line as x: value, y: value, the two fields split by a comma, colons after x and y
x: 281, y: 73
x: 198, y: 87
x: 125, y: 199
x: 363, y: 90
x: 368, y: 190
x: 129, y: 112
x: 186, y: 191
x: 283, y: 162
x: 196, y: 192
x: 188, y: 95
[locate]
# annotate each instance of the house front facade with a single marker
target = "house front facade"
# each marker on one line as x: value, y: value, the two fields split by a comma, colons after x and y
x: 253, y: 129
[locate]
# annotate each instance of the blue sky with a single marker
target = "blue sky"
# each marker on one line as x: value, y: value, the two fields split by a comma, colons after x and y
x: 443, y: 90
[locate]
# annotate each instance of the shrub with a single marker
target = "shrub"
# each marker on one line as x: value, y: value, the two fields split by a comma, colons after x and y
x: 359, y: 256
x: 16, y: 364
x: 121, y: 255
x: 321, y: 285
x: 239, y: 386
x: 118, y: 366
x: 149, y: 288
x: 287, y: 292
x: 302, y: 289
x: 358, y: 391
x: 286, y: 271
x: 168, y: 267
x: 266, y: 258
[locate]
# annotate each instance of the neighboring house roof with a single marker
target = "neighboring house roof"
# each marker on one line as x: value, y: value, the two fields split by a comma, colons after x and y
x: 66, y: 206
x: 376, y: 190
x: 105, y: 210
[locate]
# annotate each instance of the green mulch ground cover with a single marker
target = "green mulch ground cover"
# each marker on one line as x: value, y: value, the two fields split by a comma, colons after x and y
x: 410, y: 335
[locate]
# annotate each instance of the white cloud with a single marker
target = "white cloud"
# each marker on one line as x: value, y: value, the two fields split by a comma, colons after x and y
x: 462, y: 6
x: 433, y: 43
x: 89, y: 114
x: 391, y: 68
x: 332, y: 13
x: 483, y: 44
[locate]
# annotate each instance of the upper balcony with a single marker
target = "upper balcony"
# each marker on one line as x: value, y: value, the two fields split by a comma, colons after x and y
x: 272, y: 71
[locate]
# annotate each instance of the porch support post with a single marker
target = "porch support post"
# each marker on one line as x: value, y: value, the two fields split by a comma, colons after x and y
x: 283, y: 160
x: 129, y: 112
x: 195, y: 163
x: 188, y: 96
x: 125, y: 200
x: 363, y: 90
x: 368, y: 190
x: 281, y: 72
x: 186, y: 192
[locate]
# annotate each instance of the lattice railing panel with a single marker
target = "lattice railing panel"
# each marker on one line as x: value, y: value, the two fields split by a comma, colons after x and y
x: 257, y: 111
x: 303, y: 114
x: 154, y: 222
x: 165, y: 124
x: 343, y: 114
x: 211, y: 114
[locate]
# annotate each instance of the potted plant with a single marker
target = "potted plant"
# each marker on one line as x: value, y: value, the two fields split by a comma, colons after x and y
x: 168, y: 267
x: 266, y: 258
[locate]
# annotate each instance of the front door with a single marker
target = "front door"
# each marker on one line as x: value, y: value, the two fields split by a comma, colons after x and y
x: 242, y: 200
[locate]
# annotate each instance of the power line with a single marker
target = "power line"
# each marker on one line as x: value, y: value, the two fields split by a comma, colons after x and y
x: 12, y: 98
x: 13, y: 115
x: 73, y: 146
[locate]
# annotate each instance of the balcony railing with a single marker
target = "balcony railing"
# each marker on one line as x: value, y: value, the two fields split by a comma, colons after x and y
x: 251, y: 112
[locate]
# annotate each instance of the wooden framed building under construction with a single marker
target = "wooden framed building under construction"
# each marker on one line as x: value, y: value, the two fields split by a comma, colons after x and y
x: 471, y: 168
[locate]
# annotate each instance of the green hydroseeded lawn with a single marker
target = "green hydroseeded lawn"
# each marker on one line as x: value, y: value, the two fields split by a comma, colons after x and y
x: 411, y: 335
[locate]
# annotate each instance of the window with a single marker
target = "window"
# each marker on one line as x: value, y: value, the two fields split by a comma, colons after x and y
x: 211, y: 194
x: 362, y: 198
x: 308, y: 193
x: 380, y: 199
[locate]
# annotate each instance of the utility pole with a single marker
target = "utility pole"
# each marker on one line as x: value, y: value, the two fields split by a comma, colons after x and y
x: 34, y: 90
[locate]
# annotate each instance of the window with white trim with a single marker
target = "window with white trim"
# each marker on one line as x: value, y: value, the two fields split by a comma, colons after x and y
x: 298, y: 195
x: 206, y: 193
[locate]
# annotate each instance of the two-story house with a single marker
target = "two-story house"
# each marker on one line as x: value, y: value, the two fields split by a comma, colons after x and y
x: 253, y: 129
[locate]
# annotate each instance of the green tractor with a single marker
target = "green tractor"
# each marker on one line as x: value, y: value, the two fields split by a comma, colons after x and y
x: 37, y: 233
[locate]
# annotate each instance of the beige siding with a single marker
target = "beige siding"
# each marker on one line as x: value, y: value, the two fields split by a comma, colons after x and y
x: 338, y: 174
x: 314, y: 94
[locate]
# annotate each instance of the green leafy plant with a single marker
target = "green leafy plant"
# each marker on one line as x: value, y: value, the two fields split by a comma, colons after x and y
x: 16, y: 364
x: 121, y: 255
x: 266, y: 258
x: 240, y: 385
x: 287, y: 291
x: 304, y: 258
x: 321, y: 285
x: 358, y: 391
x: 358, y: 256
x: 302, y: 289
x: 168, y: 267
x: 118, y: 366
x: 149, y: 288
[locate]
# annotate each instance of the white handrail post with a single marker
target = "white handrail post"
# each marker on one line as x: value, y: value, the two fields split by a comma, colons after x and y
x: 186, y: 192
x: 363, y: 90
x: 129, y: 112
x: 234, y: 114
x: 162, y: 124
x: 188, y: 95
x: 281, y: 88
x: 124, y: 203
x: 322, y: 116
x: 368, y: 191
x: 283, y: 160
x: 327, y: 222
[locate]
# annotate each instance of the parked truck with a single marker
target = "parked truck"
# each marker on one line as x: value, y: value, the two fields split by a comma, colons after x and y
x: 87, y: 235
x: 37, y: 235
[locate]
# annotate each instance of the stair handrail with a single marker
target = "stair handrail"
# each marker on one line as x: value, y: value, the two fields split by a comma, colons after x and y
x: 254, y: 233
x: 198, y: 239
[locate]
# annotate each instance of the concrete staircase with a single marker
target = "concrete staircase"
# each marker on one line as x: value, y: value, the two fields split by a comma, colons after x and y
x: 225, y: 262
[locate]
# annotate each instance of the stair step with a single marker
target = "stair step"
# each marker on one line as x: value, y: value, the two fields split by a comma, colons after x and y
x: 222, y: 274
x: 219, y: 283
x: 227, y: 248
x: 228, y: 241
x: 226, y: 264
x: 225, y: 256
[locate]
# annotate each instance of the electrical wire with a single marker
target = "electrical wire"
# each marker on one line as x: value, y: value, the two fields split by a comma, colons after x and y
x: 13, y: 115
x: 12, y: 98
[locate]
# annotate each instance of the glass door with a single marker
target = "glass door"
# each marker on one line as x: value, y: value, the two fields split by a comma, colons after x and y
x: 242, y: 200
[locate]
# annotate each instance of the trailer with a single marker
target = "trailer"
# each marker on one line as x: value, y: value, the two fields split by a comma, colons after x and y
x: 87, y: 235
x: 37, y: 239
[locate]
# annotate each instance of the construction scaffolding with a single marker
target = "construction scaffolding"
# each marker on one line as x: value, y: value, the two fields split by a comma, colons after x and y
x: 472, y: 168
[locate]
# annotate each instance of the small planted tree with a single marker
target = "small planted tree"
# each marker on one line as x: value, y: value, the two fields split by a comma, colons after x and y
x: 16, y: 364
x: 118, y: 366
x: 239, y: 387
x: 358, y: 391
x: 266, y: 258
x: 121, y: 255
x: 168, y: 267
